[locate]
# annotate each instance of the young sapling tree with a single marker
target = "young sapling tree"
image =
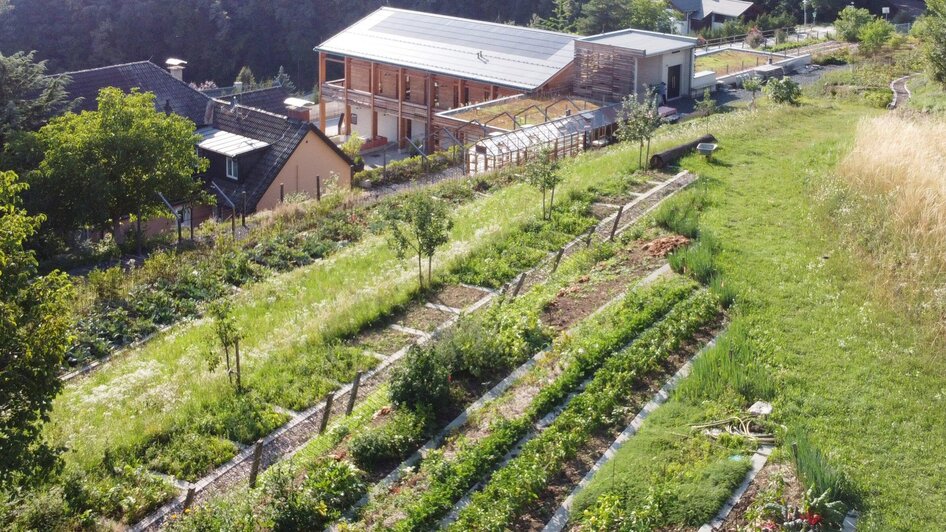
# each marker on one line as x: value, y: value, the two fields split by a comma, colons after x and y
x: 753, y: 84
x: 228, y: 336
x: 418, y: 226
x: 542, y: 173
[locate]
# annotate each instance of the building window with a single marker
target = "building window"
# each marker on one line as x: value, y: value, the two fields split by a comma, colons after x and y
x: 233, y: 168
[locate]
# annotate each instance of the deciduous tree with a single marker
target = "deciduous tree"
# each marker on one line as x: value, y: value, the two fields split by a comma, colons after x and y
x: 418, y: 226
x: 931, y: 28
x: 228, y: 336
x: 119, y: 158
x: 34, y: 335
x: 542, y: 173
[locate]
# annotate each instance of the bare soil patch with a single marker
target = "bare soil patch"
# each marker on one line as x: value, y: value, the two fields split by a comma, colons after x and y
x: 457, y: 296
x: 383, y: 340
x: 423, y: 318
x: 606, y: 281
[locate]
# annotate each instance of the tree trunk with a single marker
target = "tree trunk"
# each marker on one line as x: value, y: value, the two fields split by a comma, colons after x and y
x: 236, y: 350
x: 138, y: 231
x: 420, y: 269
x: 226, y: 350
x: 640, y: 155
x: 648, y: 151
x: 430, y: 274
x: 543, y: 204
x: 551, y: 202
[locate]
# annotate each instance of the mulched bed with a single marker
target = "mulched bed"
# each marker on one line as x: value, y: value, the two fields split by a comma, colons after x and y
x: 424, y: 318
x: 384, y: 341
x: 577, y: 301
x: 456, y: 296
x: 565, y: 481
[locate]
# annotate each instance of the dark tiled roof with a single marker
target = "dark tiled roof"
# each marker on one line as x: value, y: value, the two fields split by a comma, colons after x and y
x: 269, y: 99
x: 147, y: 77
x: 281, y: 133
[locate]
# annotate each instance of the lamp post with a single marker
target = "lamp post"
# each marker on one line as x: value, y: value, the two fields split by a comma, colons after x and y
x: 804, y: 9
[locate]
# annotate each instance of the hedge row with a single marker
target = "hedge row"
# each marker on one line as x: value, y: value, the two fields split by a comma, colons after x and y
x: 406, y: 170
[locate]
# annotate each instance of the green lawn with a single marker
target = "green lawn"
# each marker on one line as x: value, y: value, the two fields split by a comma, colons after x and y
x: 926, y: 95
x: 860, y: 378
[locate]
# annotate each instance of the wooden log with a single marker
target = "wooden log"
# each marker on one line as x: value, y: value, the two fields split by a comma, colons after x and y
x: 668, y: 157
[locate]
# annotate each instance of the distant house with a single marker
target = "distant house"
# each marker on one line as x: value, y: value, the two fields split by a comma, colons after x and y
x: 254, y: 144
x: 710, y: 14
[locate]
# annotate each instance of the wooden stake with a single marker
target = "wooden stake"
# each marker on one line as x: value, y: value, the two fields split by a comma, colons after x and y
x: 558, y: 259
x: 189, y: 498
x: 325, y: 413
x: 522, y: 280
x: 254, y: 468
x: 354, y: 394
x: 591, y: 234
x: 617, y: 220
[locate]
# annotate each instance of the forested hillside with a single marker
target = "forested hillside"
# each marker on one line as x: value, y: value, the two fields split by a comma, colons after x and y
x: 218, y: 37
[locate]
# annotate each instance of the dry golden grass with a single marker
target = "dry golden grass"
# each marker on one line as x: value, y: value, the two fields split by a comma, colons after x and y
x: 897, y: 174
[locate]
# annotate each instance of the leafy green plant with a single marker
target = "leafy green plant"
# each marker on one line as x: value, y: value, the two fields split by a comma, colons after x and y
x: 784, y: 90
x: 817, y: 473
x: 732, y: 368
x: 874, y: 35
x: 697, y: 260
x: 706, y: 105
x: 850, y: 21
x: 393, y: 441
x: 422, y: 380
x: 418, y: 226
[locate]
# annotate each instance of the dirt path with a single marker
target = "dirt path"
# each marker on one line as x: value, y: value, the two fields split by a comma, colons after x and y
x: 901, y: 93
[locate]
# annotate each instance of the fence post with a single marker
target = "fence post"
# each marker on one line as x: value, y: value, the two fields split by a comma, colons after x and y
x: 522, y: 280
x: 328, y: 410
x: 189, y: 498
x: 254, y: 468
x: 243, y: 210
x: 354, y: 394
x: 558, y: 258
x: 617, y: 220
x: 318, y: 188
x: 591, y: 234
x: 282, y: 192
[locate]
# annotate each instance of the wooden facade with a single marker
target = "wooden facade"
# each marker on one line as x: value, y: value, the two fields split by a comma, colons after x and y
x: 413, y: 96
x: 603, y: 72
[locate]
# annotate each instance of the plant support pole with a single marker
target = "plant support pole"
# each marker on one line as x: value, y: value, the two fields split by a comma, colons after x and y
x: 354, y: 394
x: 617, y: 220
x: 328, y: 410
x: 254, y: 468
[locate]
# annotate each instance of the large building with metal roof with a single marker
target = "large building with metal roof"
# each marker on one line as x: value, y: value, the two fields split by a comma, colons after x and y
x: 400, y: 70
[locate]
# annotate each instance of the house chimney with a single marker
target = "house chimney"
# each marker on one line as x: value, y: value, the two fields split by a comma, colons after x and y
x: 298, y: 109
x: 237, y: 87
x: 176, y: 67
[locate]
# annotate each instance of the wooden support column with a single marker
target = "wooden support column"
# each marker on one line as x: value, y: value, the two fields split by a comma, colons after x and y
x: 429, y: 129
x: 372, y: 88
x: 322, y: 81
x: 463, y: 101
x: 401, y: 127
x: 347, y: 101
x: 493, y: 92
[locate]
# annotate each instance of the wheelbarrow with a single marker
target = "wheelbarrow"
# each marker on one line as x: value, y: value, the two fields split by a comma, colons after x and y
x: 706, y: 149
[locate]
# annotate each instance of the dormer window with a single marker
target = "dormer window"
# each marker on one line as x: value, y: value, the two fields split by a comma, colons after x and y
x: 233, y: 168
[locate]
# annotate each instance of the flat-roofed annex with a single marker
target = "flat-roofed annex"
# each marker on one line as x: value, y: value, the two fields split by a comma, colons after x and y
x: 498, y: 54
x: 645, y: 43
